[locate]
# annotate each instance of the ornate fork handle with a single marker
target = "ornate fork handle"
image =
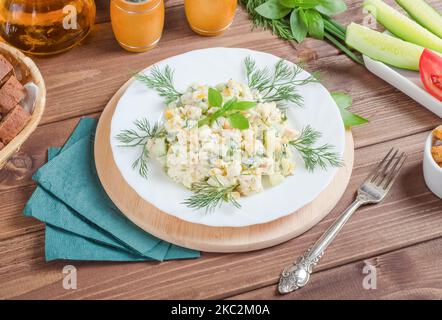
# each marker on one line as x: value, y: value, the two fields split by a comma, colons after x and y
x: 297, y: 275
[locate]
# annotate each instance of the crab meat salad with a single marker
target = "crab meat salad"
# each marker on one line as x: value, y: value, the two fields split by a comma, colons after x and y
x: 230, y: 140
x: 204, y: 142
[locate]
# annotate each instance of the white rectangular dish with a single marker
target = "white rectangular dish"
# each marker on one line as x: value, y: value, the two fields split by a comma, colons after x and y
x: 409, y: 82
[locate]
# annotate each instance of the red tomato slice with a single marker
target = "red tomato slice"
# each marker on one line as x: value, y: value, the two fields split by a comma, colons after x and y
x: 430, y: 65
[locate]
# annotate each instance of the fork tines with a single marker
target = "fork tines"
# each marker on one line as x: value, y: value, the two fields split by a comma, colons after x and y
x: 388, y: 169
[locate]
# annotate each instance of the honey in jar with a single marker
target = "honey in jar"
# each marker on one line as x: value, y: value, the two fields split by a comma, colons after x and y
x: 45, y: 26
x: 137, y: 24
x: 210, y: 17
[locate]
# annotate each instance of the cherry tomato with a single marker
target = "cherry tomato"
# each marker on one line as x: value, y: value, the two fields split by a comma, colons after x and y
x: 430, y: 66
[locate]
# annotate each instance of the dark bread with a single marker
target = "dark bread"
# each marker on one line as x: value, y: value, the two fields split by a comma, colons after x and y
x: 11, y: 94
x: 5, y: 68
x: 13, y: 123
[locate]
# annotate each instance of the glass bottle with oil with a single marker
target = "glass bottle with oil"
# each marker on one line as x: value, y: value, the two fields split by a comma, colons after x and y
x: 42, y: 27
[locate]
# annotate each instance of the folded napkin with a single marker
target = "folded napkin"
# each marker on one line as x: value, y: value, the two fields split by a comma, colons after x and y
x: 82, y: 223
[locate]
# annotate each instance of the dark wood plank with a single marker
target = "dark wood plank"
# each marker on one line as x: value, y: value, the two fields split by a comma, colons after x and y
x: 408, y: 216
x: 373, y: 98
x: 85, y: 84
x: 409, y: 273
x: 403, y: 117
x: 33, y: 154
x: 13, y: 223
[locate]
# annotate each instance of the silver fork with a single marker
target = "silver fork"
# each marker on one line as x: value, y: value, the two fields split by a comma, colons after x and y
x: 373, y: 190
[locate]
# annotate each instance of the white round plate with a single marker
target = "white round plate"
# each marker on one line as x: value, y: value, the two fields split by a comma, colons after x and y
x: 213, y: 66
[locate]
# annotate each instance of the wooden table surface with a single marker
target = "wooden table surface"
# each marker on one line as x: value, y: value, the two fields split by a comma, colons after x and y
x: 402, y: 237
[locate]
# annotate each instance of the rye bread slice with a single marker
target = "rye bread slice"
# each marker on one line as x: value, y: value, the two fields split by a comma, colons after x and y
x: 11, y: 94
x: 13, y: 123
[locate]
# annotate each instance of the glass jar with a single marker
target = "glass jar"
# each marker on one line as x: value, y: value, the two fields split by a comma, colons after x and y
x: 210, y: 17
x: 43, y: 27
x: 137, y: 24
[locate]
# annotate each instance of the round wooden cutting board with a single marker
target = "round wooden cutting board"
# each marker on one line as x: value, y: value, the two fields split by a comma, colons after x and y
x: 202, y: 237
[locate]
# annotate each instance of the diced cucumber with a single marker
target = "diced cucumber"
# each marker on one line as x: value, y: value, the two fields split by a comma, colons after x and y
x: 402, y: 26
x: 382, y: 47
x: 270, y: 142
x: 162, y: 160
x: 423, y: 13
x: 159, y: 147
x: 276, y: 179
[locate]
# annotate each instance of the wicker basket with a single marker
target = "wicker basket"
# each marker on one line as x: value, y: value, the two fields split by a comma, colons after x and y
x: 28, y: 71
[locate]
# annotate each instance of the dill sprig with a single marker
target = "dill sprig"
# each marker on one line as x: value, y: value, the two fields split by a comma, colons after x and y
x: 321, y: 156
x: 281, y: 86
x: 209, y: 197
x: 138, y: 138
x: 162, y: 82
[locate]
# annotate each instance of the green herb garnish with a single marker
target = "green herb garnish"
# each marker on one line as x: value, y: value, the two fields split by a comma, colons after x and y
x: 231, y: 110
x: 281, y: 86
x: 138, y: 138
x: 210, y: 197
x: 313, y: 157
x: 162, y: 82
x: 278, y: 86
x: 344, y: 101
x: 297, y: 19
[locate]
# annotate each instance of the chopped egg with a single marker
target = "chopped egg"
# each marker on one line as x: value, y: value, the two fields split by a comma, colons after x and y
x: 220, y: 153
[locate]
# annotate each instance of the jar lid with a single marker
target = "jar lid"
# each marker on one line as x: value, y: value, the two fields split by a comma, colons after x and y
x: 137, y: 6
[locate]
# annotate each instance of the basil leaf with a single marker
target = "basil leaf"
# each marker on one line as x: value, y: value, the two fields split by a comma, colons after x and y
x: 229, y: 104
x: 303, y: 17
x: 243, y: 105
x: 344, y: 101
x: 305, y: 4
x: 331, y: 7
x: 218, y: 113
x: 215, y: 98
x: 298, y: 27
x: 272, y: 9
x: 315, y: 24
x: 238, y: 121
x: 351, y: 119
x: 204, y: 121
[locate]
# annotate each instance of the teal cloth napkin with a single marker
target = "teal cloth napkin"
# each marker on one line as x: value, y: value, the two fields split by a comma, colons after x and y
x: 81, y: 221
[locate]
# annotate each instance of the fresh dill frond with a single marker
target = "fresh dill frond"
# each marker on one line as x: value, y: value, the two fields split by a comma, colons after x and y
x: 282, y: 86
x: 133, y: 137
x: 209, y: 197
x: 322, y: 156
x: 256, y: 78
x: 138, y: 138
x: 162, y: 82
x: 142, y: 162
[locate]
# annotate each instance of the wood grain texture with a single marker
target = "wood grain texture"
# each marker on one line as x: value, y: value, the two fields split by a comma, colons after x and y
x: 17, y: 173
x: 409, y: 273
x: 80, y: 84
x: 409, y: 215
x: 198, y: 236
x: 373, y: 97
